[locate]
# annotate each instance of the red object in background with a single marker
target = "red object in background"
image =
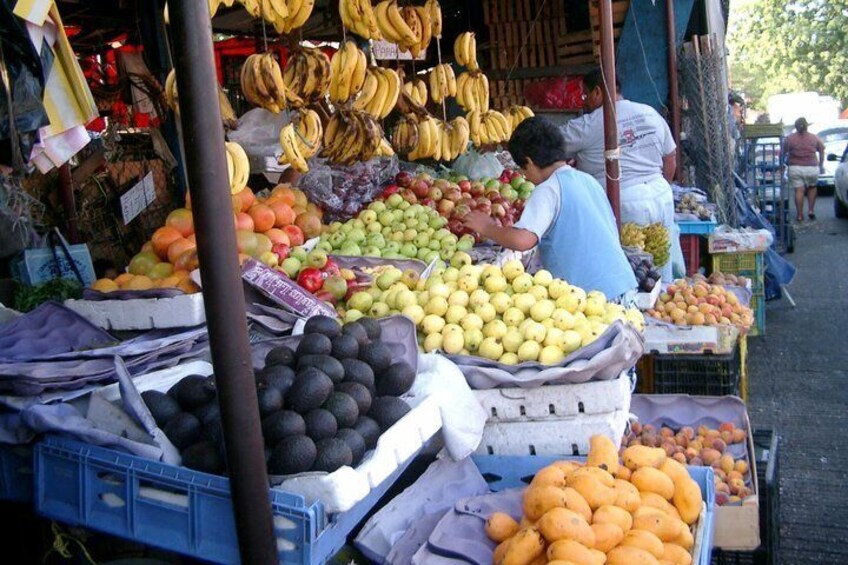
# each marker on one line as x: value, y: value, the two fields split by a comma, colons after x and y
x: 97, y: 125
x: 311, y: 279
x: 561, y: 93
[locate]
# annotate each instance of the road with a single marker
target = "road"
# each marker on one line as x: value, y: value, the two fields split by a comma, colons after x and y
x: 799, y: 387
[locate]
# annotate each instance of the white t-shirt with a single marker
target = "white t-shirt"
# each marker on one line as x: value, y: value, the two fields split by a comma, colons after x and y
x: 542, y: 208
x: 644, y: 138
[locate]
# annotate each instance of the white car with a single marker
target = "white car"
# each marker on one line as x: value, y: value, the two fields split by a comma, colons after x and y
x: 835, y: 141
x: 840, y: 192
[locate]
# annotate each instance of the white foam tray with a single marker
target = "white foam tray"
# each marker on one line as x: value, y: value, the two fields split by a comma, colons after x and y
x: 552, y: 436
x: 342, y: 489
x: 142, y: 313
x: 646, y: 300
x: 593, y: 397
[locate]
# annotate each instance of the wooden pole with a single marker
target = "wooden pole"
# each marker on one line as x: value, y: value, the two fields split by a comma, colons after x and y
x: 610, y: 125
x: 673, y: 86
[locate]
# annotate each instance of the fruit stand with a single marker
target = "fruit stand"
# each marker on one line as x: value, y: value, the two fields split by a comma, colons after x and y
x: 388, y: 350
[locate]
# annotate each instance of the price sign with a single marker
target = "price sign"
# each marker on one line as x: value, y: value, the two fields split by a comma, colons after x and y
x: 284, y: 291
x: 135, y: 200
x: 385, y: 51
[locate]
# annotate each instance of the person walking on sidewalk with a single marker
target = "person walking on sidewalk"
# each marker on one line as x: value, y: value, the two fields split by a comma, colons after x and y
x: 799, y: 153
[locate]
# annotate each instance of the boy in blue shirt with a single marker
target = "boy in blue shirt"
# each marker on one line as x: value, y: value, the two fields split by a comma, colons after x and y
x: 568, y: 216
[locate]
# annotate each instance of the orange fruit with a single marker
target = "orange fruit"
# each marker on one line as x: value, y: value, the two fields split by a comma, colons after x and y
x: 187, y: 285
x: 283, y: 213
x: 179, y: 273
x: 163, y: 238
x: 244, y: 221
x: 123, y: 278
x: 283, y: 192
x: 147, y: 247
x: 178, y: 248
x: 186, y: 262
x: 143, y: 262
x: 310, y: 224
x: 247, y: 199
x: 139, y: 282
x: 168, y: 282
x: 105, y: 285
x: 263, y: 217
x: 276, y: 235
x: 182, y: 221
x: 295, y: 235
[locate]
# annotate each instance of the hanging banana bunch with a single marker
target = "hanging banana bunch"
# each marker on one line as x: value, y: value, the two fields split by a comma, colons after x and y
x: 238, y: 166
x: 409, y: 28
x: 284, y: 15
x: 517, y: 114
x: 302, y: 141
x: 472, y: 91
x: 488, y: 128
x: 455, y: 135
x: 442, y: 82
x: 263, y: 85
x: 429, y: 140
x: 358, y: 17
x: 417, y: 90
x: 465, y: 50
x: 380, y: 92
x: 385, y: 149
x: 405, y: 134
x: 347, y: 73
x: 172, y: 100
x: 352, y: 136
x: 307, y: 74
x: 435, y: 11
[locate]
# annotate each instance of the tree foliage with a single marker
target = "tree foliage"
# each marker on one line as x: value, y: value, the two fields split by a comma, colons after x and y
x: 779, y: 46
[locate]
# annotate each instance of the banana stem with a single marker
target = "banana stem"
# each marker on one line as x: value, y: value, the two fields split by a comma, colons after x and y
x: 264, y: 35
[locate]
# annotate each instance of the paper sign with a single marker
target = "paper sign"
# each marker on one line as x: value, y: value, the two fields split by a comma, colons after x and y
x: 139, y: 197
x: 385, y: 51
x: 282, y: 290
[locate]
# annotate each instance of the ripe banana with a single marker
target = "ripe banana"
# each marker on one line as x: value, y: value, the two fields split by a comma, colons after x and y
x: 358, y: 16
x: 417, y: 90
x: 352, y: 136
x: 241, y: 166
x: 472, y: 91
x: 291, y: 151
x: 343, y: 66
x: 307, y: 75
x: 263, y: 84
x: 517, y: 114
x: 380, y: 93
x: 426, y: 31
x: 465, y: 50
x: 309, y: 133
x: 442, y: 82
x: 429, y: 140
x: 405, y: 134
x: 488, y: 127
x: 410, y: 28
x: 435, y: 10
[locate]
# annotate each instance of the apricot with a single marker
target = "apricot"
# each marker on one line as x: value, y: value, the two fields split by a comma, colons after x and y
x: 263, y: 217
x: 741, y: 467
x: 163, y: 238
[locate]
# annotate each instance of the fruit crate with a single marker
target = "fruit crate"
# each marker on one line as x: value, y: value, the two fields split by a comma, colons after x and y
x: 700, y: 375
x: 766, y: 447
x: 178, y: 509
x: 691, y: 246
x: 16, y: 473
x: 503, y: 472
x: 758, y: 305
x: 750, y: 265
x: 700, y: 227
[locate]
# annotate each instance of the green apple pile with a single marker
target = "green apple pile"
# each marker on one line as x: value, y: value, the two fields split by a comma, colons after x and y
x: 500, y: 313
x: 395, y: 229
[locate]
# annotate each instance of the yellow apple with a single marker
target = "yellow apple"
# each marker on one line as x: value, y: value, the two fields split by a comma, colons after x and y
x: 542, y: 310
x: 490, y: 348
x: 458, y: 298
x: 495, y: 328
x: 551, y: 355
x: 432, y: 342
x: 512, y: 269
x: 529, y: 351
x: 486, y: 312
x: 543, y: 277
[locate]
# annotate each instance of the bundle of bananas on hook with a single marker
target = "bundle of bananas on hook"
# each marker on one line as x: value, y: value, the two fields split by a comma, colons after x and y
x: 301, y: 142
x: 238, y: 166
x: 517, y: 114
x: 263, y: 85
x: 347, y: 73
x: 472, y: 91
x: 307, y: 74
x: 352, y: 136
x: 411, y: 28
x: 358, y: 16
x: 379, y: 93
x: 172, y: 100
x: 454, y: 137
x: 284, y: 15
x: 465, y: 50
x: 405, y: 134
x: 417, y: 90
x: 429, y: 140
x: 488, y: 128
x: 442, y: 82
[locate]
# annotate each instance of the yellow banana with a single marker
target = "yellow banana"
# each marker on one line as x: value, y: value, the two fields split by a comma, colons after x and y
x: 241, y: 166
x: 381, y: 16
x: 291, y: 153
x: 400, y: 25
x: 393, y: 81
x: 426, y: 29
x: 369, y: 90
x: 435, y: 10
x: 358, y: 78
x: 300, y: 17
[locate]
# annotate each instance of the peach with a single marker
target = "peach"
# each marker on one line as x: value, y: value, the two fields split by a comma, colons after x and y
x: 179, y: 247
x: 163, y: 238
x: 688, y: 432
x: 726, y: 463
x: 719, y: 445
x: 636, y: 428
x: 666, y: 432
x: 739, y: 436
x: 263, y: 217
x: 726, y: 426
x: 680, y: 458
x: 283, y: 213
x: 722, y: 486
x: 295, y: 235
x: 727, y: 437
x: 709, y: 455
x: 741, y: 467
x: 720, y: 474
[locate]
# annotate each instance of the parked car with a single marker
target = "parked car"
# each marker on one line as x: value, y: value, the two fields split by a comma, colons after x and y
x: 840, y: 192
x: 835, y: 141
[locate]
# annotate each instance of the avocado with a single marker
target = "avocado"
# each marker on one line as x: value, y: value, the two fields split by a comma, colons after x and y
x: 270, y: 400
x: 284, y: 423
x: 162, y: 407
x: 213, y: 431
x: 332, y: 454
x: 293, y: 454
x: 354, y: 441
x: 280, y: 355
x: 193, y: 391
x: 280, y: 377
x: 357, y: 371
x: 343, y: 407
x: 369, y: 430
x: 314, y: 344
x: 320, y: 424
x: 357, y: 331
x: 204, y: 456
x: 345, y: 347
x: 358, y: 392
x: 310, y: 390
x: 328, y: 365
x: 183, y: 430
x: 372, y: 327
x: 322, y: 325
x: 208, y: 412
x: 386, y: 410
x: 396, y: 380
x: 377, y: 355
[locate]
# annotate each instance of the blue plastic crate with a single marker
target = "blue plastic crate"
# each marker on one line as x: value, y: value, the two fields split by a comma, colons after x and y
x: 176, y: 508
x: 696, y: 228
x: 502, y: 472
x: 16, y: 472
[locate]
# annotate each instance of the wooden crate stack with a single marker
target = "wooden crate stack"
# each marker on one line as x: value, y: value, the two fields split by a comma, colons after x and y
x: 522, y: 32
x: 619, y: 14
x: 505, y: 93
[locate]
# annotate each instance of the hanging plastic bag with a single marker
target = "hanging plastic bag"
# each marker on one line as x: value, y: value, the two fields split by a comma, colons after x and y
x: 476, y: 165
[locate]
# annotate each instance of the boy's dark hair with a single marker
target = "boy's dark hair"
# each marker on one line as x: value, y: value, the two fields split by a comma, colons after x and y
x: 595, y: 78
x: 540, y: 140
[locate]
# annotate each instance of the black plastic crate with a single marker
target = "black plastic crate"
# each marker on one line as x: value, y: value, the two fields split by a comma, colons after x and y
x: 707, y: 374
x: 766, y: 444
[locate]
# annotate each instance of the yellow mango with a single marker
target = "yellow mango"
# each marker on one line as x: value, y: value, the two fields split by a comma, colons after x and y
x: 648, y: 479
x: 607, y: 536
x: 603, y: 453
x: 624, y: 555
x: 561, y: 523
x: 687, y: 500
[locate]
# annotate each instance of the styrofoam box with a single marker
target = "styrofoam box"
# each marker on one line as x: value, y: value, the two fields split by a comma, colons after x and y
x: 142, y: 313
x: 551, y: 436
x: 646, y: 300
x: 593, y: 397
x: 340, y: 490
x: 690, y: 339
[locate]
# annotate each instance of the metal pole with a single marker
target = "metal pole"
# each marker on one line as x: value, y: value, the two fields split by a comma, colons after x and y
x: 200, y: 116
x: 610, y: 125
x: 673, y: 86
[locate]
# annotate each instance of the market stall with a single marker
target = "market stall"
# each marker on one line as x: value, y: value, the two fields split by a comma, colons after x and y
x: 315, y: 326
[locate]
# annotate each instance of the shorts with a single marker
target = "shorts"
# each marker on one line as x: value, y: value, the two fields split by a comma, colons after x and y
x: 802, y: 177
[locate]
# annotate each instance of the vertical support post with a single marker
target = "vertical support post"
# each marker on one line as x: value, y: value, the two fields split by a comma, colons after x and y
x: 610, y: 126
x: 673, y: 85
x: 200, y: 117
x: 66, y: 190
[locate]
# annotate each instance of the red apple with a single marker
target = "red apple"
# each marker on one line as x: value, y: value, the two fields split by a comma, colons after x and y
x: 461, y: 210
x: 464, y: 185
x: 485, y: 207
x: 403, y: 179
x: 452, y: 194
x: 429, y: 202
x: 421, y: 188
x: 409, y: 196
x: 498, y: 211
x: 477, y: 189
x: 455, y: 226
x: 445, y: 207
x: 281, y: 250
x: 441, y: 184
x: 435, y: 193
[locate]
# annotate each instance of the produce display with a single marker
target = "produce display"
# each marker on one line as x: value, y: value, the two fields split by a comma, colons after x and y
x: 722, y: 279
x: 689, y: 204
x: 704, y: 447
x: 701, y: 304
x: 323, y: 404
x: 653, y: 239
x: 640, y: 509
x: 646, y: 275
x: 499, y: 313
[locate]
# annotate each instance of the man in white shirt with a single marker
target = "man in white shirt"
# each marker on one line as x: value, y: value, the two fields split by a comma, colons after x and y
x: 647, y: 158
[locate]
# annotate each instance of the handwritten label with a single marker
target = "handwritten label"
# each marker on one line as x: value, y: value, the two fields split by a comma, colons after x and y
x: 385, y: 51
x: 139, y: 197
x: 282, y: 290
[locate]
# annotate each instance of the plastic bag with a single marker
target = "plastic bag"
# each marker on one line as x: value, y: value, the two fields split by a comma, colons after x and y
x: 476, y: 165
x: 259, y: 135
x: 343, y: 191
x: 562, y: 93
